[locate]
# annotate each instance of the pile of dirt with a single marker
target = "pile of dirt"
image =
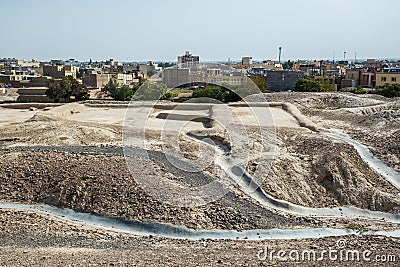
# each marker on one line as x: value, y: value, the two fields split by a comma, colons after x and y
x: 41, y: 118
x: 315, y: 171
x: 44, y: 129
x: 102, y: 184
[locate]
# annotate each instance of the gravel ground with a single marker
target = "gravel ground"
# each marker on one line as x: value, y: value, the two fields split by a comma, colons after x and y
x: 102, y: 184
x: 28, y: 239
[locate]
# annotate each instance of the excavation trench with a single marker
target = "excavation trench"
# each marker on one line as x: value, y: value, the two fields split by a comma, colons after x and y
x: 181, y: 232
x: 388, y: 173
x: 250, y: 187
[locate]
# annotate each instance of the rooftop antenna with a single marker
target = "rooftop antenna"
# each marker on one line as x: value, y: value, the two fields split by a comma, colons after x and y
x: 280, y: 53
x: 333, y: 61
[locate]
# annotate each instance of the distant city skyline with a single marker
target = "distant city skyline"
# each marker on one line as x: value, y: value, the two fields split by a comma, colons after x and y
x: 215, y: 30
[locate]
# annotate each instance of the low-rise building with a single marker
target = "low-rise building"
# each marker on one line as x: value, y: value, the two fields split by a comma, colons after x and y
x: 174, y: 77
x: 59, y: 71
x: 388, y: 75
x: 95, y: 80
x: 246, y: 61
x: 283, y: 80
x: 225, y: 79
x: 279, y: 80
x: 33, y: 94
x: 359, y: 77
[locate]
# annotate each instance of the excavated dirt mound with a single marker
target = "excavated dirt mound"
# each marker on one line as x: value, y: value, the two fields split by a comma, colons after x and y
x: 102, y: 184
x: 49, y: 130
x: 315, y: 171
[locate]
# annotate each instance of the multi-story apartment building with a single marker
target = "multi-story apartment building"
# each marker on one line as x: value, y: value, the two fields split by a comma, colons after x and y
x: 188, y: 59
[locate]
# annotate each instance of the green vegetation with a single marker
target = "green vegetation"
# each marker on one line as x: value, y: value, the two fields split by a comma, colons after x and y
x: 82, y: 93
x: 177, y: 91
x: 309, y: 85
x: 174, y: 93
x: 65, y: 88
x: 389, y: 90
x: 146, y: 90
x: 227, y: 92
x: 261, y: 83
x: 355, y: 90
x: 356, y: 227
x: 165, y: 64
x: 288, y: 65
x: 150, y: 91
x: 168, y: 96
x: 217, y: 92
x: 123, y: 92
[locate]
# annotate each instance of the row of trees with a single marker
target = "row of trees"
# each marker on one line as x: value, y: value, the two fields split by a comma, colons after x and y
x: 320, y: 85
x: 144, y: 90
x: 62, y: 90
x: 216, y: 92
x: 232, y: 93
x: 310, y: 85
x: 389, y: 90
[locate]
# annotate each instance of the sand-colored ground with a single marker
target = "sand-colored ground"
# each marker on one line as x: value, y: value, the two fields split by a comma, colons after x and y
x: 42, y: 162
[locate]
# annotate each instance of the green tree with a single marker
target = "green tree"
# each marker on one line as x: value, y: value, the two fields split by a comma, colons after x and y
x: 71, y: 84
x: 111, y: 85
x: 326, y: 85
x: 59, y: 89
x: 141, y: 81
x: 65, y: 88
x: 54, y: 92
x: 288, y: 65
x: 389, y: 90
x: 82, y: 93
x: 261, y: 83
x: 120, y: 93
x: 219, y: 93
x: 150, y: 91
x: 309, y: 85
x: 124, y: 92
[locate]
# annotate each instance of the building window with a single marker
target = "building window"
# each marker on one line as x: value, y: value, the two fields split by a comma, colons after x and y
x: 394, y: 79
x: 383, y: 79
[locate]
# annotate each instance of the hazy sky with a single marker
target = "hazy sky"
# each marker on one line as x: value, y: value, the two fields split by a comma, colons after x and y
x: 213, y: 29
